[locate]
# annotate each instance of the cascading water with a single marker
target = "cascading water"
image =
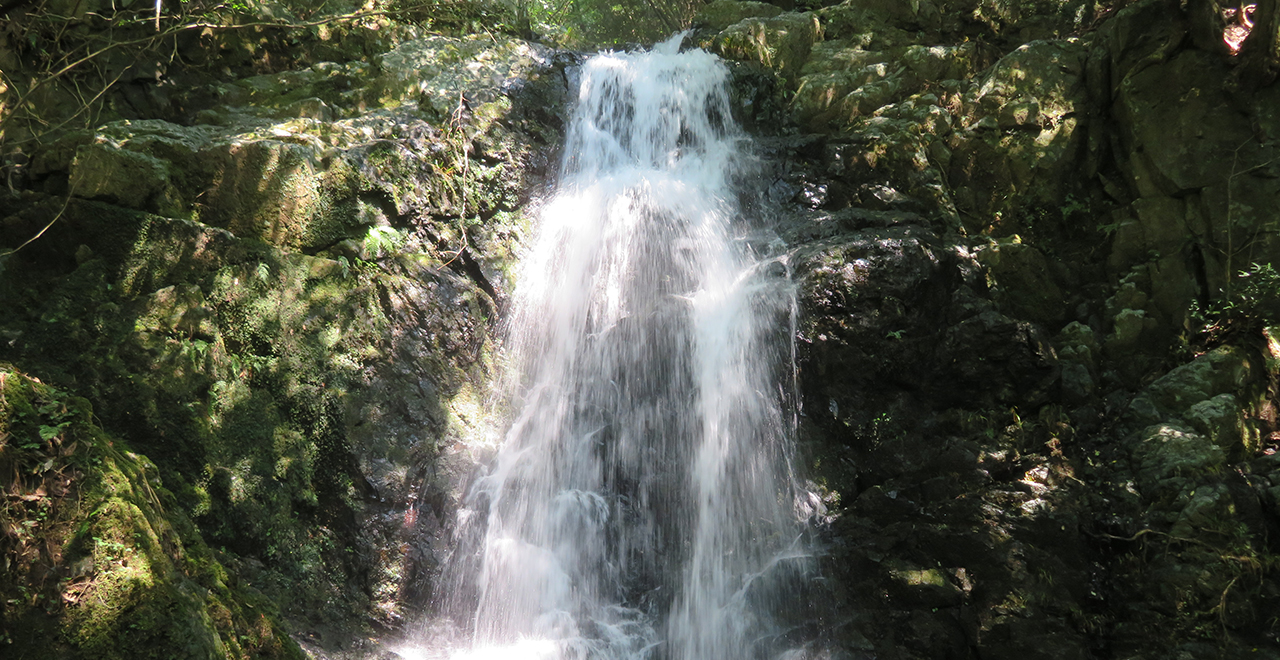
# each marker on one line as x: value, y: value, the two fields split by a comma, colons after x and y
x: 643, y: 487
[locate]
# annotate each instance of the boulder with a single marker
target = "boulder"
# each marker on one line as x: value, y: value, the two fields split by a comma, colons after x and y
x: 1171, y: 459
x: 103, y: 170
x: 1222, y: 420
x: 1225, y: 370
x: 781, y: 43
x: 1022, y: 282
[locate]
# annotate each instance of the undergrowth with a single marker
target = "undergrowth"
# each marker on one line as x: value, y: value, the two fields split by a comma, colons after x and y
x: 98, y: 561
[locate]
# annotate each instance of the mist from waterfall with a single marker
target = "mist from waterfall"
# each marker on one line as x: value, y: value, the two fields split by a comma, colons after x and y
x: 643, y: 491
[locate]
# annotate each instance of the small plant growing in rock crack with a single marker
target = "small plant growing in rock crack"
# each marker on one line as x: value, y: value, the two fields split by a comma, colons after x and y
x: 198, y: 352
x: 1073, y: 205
x: 382, y: 241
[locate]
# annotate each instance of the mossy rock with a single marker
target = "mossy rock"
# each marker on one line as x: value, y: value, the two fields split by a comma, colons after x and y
x: 1225, y: 370
x: 720, y: 14
x: 1022, y: 281
x: 129, y: 178
x: 110, y: 567
x: 781, y: 43
x: 1021, y: 134
x: 1172, y: 459
x: 279, y: 393
x: 438, y: 72
x: 877, y: 24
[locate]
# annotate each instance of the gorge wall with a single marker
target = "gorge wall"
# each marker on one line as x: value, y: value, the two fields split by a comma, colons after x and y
x: 245, y: 366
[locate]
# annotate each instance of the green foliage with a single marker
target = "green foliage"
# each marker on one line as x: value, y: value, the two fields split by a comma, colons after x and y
x: 571, y: 23
x: 60, y: 67
x: 602, y: 22
x: 382, y: 241
x: 1073, y: 205
x: 103, y: 564
x: 1251, y: 303
x: 459, y: 17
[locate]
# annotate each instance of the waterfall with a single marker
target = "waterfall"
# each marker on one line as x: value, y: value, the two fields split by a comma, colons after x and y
x: 642, y: 492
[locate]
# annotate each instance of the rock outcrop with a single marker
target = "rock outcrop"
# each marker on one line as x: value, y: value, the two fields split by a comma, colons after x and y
x: 1004, y: 249
x: 289, y: 306
x: 1037, y: 397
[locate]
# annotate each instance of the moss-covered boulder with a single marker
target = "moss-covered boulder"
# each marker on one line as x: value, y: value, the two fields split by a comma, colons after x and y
x: 1222, y: 371
x: 445, y: 75
x: 781, y: 43
x: 1022, y: 134
x: 102, y: 561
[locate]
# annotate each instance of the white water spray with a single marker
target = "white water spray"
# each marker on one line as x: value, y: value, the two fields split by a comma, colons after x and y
x: 643, y: 487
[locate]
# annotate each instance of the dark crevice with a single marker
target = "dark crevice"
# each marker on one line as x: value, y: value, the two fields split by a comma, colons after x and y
x: 1200, y: 273
x: 463, y: 263
x: 470, y: 268
x: 384, y: 202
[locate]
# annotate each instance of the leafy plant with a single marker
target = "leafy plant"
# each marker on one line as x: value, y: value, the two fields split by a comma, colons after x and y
x: 1073, y: 205
x: 1250, y: 304
x: 382, y: 241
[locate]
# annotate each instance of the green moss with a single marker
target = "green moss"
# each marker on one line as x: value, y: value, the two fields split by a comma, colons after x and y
x: 111, y: 568
x: 280, y: 193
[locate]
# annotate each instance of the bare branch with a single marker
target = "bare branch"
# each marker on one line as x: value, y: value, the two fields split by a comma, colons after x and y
x: 188, y: 27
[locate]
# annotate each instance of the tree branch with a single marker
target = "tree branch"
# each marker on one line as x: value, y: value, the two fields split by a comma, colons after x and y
x: 171, y: 32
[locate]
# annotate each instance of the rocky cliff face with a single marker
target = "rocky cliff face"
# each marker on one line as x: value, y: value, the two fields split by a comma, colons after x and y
x: 1034, y: 432
x: 289, y: 305
x: 1004, y: 219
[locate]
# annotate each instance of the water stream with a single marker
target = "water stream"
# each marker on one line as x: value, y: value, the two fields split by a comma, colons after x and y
x: 643, y: 493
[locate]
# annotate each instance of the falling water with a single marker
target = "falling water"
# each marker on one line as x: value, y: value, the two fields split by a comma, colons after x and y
x: 642, y: 491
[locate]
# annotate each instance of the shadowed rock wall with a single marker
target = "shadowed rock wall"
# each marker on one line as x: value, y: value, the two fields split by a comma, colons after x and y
x: 1004, y: 218
x: 1037, y: 397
